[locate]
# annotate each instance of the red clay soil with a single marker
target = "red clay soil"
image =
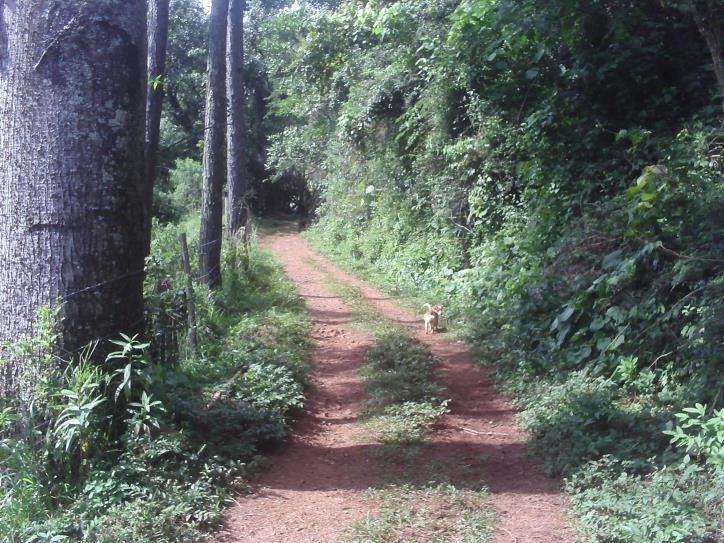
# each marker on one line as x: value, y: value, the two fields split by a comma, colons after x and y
x: 315, y: 487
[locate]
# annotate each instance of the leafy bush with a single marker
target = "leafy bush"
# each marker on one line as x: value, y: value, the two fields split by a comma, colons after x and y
x: 583, y: 419
x: 271, y: 387
x: 186, y: 182
x: 24, y: 486
x: 554, y: 176
x: 180, y: 194
x: 700, y: 435
x: 132, y: 450
x: 672, y: 505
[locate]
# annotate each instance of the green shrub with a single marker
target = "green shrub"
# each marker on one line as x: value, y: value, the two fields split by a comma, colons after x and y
x: 398, y: 370
x: 25, y: 486
x: 186, y: 182
x: 271, y: 387
x: 132, y: 450
x: 585, y: 418
x: 672, y: 505
x: 700, y: 435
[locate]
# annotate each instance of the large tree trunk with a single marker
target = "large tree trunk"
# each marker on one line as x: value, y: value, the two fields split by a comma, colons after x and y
x: 215, y: 119
x: 157, y: 42
x: 72, y: 223
x: 237, y: 171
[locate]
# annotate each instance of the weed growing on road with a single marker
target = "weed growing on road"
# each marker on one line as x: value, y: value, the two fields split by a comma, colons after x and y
x: 404, y: 400
x: 433, y: 513
x: 363, y: 314
x: 403, y: 406
x: 406, y: 423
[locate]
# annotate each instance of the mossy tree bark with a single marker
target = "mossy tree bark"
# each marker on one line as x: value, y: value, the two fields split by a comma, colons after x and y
x: 72, y: 220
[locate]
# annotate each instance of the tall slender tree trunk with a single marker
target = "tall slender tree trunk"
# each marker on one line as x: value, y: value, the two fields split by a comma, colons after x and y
x: 72, y: 223
x: 237, y: 170
x: 214, y: 166
x: 157, y: 44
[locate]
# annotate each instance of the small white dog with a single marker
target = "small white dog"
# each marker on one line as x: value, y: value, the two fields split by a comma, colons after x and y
x: 432, y: 318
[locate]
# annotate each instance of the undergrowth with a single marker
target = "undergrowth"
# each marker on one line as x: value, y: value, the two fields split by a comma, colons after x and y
x: 432, y: 513
x: 605, y: 327
x: 149, y: 445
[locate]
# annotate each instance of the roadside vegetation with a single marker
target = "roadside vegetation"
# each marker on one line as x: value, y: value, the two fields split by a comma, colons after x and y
x: 553, y: 175
x: 151, y: 445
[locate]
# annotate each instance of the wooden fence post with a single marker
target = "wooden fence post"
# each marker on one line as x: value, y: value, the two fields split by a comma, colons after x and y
x: 191, y: 308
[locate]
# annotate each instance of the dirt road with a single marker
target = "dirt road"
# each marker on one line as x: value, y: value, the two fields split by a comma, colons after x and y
x: 316, y: 485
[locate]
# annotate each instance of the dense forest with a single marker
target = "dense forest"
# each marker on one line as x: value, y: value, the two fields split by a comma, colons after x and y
x: 551, y: 172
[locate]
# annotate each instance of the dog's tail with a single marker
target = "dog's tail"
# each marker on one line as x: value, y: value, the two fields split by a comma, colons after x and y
x: 428, y: 306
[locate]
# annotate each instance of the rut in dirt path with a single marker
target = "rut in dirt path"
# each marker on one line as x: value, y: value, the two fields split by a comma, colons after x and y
x: 316, y: 485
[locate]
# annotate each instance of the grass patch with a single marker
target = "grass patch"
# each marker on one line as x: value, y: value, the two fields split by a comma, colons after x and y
x: 364, y: 315
x: 404, y: 400
x: 406, y: 423
x: 435, y: 513
x: 398, y: 370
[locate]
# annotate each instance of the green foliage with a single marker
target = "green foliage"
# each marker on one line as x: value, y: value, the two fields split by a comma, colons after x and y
x: 670, y: 506
x: 183, y: 85
x: 271, y: 387
x: 553, y: 175
x: 79, y: 414
x: 583, y: 419
x: 135, y: 450
x: 24, y: 481
x: 180, y: 195
x: 701, y: 435
x: 186, y: 182
x: 127, y: 378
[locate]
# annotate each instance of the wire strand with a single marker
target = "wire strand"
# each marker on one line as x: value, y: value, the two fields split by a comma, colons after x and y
x: 104, y: 283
